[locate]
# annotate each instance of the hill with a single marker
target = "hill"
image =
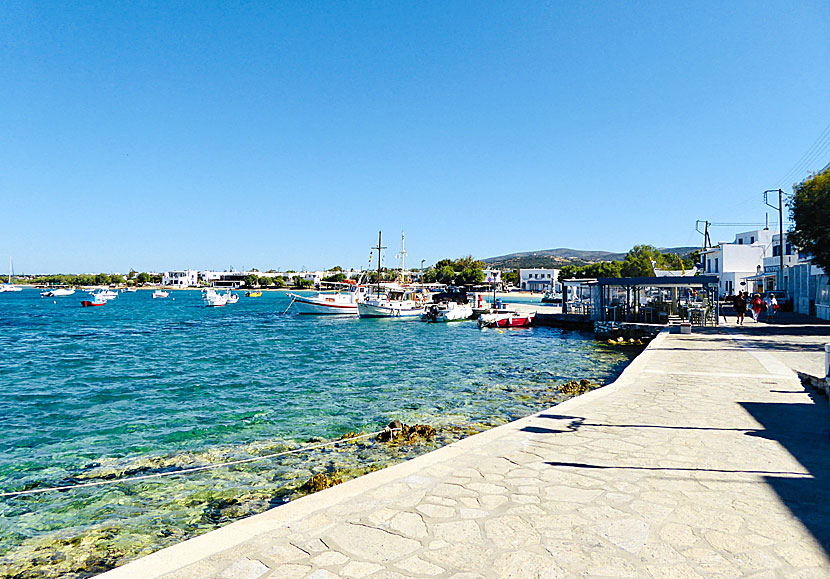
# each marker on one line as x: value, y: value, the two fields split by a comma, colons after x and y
x: 555, y: 258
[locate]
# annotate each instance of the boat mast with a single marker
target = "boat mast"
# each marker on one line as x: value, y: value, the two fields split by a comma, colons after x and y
x: 379, y: 248
x: 403, y: 261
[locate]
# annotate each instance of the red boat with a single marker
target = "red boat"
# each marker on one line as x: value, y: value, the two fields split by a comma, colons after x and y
x: 505, y: 320
x: 88, y: 303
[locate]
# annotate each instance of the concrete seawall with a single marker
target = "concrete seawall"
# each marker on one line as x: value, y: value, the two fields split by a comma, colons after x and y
x: 706, y: 457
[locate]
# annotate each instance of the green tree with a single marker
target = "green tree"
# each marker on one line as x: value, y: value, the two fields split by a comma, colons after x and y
x: 301, y: 282
x: 280, y: 282
x: 265, y: 281
x: 810, y: 211
x: 335, y: 277
x: 638, y: 261
x: 251, y: 280
x: 142, y: 278
x: 510, y: 277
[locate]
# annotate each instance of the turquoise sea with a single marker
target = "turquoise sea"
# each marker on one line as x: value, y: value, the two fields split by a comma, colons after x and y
x: 143, y: 386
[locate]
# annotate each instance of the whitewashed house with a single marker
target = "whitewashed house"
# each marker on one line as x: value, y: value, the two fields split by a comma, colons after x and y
x: 738, y: 263
x: 539, y: 280
x: 180, y: 279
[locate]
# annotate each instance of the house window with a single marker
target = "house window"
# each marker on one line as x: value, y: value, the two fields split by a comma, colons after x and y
x: 708, y: 266
x: 741, y: 241
x: 716, y: 265
x: 752, y: 240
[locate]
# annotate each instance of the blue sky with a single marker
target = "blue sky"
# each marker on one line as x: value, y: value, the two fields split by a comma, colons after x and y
x: 285, y: 135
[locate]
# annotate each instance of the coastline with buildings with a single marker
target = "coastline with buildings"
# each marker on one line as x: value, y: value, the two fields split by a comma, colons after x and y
x: 347, y: 401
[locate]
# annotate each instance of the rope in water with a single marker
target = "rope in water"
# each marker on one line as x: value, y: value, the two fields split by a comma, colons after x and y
x: 193, y: 469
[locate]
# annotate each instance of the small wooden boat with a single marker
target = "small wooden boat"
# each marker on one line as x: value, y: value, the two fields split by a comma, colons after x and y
x: 96, y: 300
x: 253, y: 294
x: 160, y: 294
x: 505, y: 319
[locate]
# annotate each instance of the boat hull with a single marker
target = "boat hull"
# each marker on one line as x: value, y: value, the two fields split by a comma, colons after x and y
x: 504, y: 321
x: 391, y: 311
x: 91, y: 304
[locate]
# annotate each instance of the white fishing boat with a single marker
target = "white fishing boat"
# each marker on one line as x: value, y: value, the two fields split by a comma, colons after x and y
x: 10, y: 287
x: 214, y: 299
x: 232, y: 297
x: 390, y: 301
x: 129, y: 290
x: 57, y: 292
x: 103, y: 294
x: 160, y: 294
x: 341, y: 302
x: 447, y: 312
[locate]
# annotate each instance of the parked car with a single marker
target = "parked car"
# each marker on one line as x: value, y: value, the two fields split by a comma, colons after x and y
x: 785, y: 304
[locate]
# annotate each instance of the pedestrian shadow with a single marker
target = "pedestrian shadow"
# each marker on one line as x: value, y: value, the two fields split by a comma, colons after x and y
x: 802, y: 429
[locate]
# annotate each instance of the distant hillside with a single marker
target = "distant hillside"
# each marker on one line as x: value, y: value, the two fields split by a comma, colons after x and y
x: 555, y: 258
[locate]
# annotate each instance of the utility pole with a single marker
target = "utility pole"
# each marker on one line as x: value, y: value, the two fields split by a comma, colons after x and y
x: 780, y: 208
x: 705, y: 233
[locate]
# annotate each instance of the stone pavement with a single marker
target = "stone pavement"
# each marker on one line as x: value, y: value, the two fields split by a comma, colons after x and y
x: 706, y: 458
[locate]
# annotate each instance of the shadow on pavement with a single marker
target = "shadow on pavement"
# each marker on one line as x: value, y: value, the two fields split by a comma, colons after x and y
x: 803, y: 430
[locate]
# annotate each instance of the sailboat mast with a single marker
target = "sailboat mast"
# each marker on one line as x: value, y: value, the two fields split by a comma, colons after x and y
x: 403, y: 261
x: 379, y: 248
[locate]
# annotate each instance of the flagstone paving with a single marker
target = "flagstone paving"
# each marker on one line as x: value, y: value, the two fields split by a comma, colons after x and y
x: 707, y: 458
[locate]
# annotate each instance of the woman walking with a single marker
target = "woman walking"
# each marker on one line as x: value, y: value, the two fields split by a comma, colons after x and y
x: 740, y: 307
x: 757, y: 304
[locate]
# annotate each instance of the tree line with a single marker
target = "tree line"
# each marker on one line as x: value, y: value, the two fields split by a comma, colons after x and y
x: 640, y: 261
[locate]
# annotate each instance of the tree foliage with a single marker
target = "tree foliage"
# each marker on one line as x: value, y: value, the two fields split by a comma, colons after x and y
x: 462, y: 271
x: 637, y: 263
x: 810, y: 211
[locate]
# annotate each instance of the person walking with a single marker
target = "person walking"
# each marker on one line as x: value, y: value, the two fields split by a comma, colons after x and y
x: 756, y: 306
x: 772, y: 308
x: 739, y: 303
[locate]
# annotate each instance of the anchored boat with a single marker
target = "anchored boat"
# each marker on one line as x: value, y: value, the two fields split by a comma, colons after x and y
x: 505, y: 319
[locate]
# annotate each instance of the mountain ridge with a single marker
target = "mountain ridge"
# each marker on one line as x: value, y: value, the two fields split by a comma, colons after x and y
x: 560, y: 256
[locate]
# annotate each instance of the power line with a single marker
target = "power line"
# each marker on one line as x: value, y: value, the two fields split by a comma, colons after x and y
x: 818, y: 148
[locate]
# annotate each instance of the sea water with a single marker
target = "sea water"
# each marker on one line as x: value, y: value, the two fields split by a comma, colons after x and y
x: 145, y: 386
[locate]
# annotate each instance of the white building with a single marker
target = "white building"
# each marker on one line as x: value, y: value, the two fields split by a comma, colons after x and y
x: 492, y: 276
x: 539, y: 280
x: 184, y: 278
x: 736, y: 264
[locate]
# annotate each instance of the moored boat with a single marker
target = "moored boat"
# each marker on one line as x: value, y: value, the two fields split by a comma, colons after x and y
x: 232, y: 298
x: 57, y: 292
x: 10, y: 287
x: 253, y: 294
x: 447, y: 312
x: 330, y: 303
x: 212, y: 298
x: 391, y: 301
x: 160, y: 294
x: 97, y: 300
x: 505, y: 319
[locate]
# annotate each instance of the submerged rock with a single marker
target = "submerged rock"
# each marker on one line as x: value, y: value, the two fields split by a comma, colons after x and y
x: 575, y: 388
x: 403, y: 433
x: 319, y: 482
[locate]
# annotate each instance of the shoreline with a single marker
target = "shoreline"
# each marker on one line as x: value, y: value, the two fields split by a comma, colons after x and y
x: 190, y: 551
x: 671, y: 470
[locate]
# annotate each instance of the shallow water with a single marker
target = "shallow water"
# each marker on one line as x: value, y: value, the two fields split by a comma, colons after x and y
x: 141, y: 386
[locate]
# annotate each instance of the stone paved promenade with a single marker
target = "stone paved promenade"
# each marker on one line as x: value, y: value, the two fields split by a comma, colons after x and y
x: 707, y: 458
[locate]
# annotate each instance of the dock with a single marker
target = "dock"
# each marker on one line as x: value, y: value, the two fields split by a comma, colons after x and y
x: 707, y: 457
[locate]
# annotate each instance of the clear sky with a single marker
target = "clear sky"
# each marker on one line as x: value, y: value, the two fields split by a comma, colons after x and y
x: 284, y: 135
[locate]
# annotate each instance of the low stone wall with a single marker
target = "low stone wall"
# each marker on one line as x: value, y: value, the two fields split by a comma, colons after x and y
x: 627, y: 330
x: 819, y: 384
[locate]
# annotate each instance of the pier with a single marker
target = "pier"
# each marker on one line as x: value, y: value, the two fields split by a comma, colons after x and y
x: 707, y: 457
